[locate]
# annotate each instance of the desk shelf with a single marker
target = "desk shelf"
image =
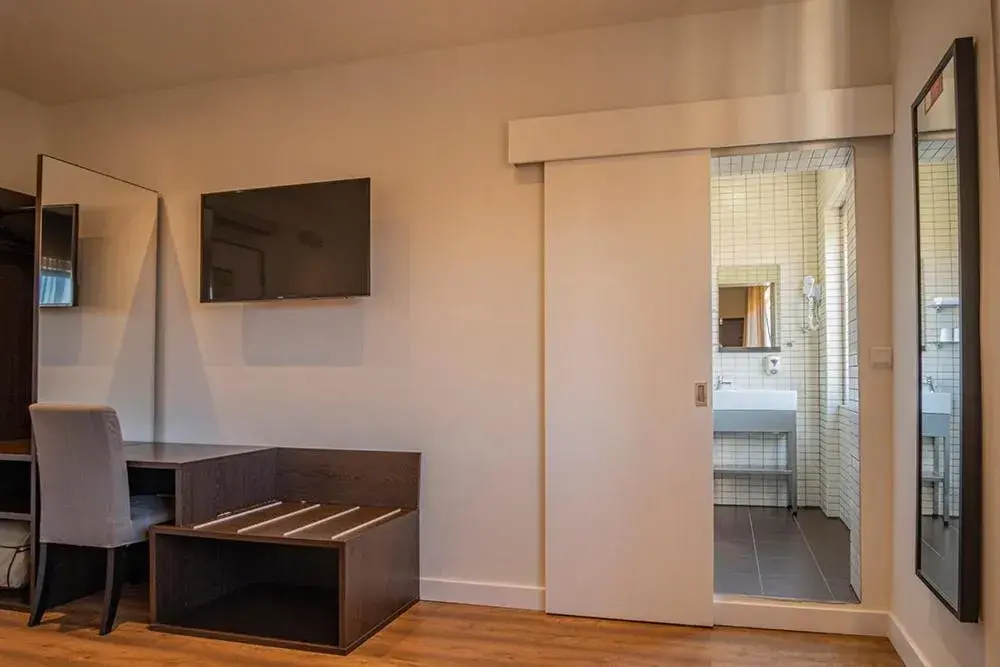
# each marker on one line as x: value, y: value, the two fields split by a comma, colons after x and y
x: 15, y: 450
x: 780, y: 422
x: 15, y: 489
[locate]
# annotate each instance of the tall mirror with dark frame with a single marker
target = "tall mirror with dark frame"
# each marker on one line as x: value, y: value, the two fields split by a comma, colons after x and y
x: 949, y: 450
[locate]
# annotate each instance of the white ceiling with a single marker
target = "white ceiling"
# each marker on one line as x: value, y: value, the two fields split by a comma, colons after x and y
x: 55, y: 51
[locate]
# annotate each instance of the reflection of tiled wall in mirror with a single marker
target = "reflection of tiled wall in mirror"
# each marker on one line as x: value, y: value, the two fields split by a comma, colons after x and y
x: 938, y: 199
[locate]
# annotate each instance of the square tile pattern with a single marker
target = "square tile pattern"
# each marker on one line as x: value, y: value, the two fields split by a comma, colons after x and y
x: 939, y: 277
x: 765, y: 551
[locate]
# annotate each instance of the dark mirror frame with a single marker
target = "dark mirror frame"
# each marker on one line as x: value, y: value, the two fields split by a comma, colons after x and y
x: 963, y: 54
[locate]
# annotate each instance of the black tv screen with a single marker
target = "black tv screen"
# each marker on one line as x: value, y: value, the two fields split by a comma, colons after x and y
x: 305, y: 241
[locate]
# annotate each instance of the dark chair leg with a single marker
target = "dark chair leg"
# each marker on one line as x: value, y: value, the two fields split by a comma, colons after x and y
x: 42, y: 586
x: 114, y: 577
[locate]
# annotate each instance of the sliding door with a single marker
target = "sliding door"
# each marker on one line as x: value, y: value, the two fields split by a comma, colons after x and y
x: 629, y: 525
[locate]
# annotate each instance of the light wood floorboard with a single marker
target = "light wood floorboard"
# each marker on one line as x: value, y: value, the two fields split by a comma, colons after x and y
x: 436, y: 634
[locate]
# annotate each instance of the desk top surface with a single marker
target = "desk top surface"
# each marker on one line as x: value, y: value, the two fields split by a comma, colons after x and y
x: 175, y: 454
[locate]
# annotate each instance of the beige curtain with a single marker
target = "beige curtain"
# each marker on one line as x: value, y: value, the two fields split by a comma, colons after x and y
x: 757, y: 326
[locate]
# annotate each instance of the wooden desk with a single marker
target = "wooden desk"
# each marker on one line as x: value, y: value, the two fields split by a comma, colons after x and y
x: 204, y: 479
x: 174, y: 455
x: 14, y: 450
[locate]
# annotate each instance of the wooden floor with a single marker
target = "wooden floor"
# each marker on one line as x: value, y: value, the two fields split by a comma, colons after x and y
x: 437, y: 634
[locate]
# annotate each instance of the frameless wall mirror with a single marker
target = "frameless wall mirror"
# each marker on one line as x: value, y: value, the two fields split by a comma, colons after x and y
x: 748, y: 308
x: 98, y: 253
x: 949, y: 449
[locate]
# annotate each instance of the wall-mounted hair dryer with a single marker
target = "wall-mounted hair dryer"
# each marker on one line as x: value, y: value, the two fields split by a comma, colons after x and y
x: 812, y: 291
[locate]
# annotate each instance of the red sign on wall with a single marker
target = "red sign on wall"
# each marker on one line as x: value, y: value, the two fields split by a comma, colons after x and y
x: 934, y: 93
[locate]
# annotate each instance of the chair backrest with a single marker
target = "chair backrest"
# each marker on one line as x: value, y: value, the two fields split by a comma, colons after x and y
x: 82, y: 476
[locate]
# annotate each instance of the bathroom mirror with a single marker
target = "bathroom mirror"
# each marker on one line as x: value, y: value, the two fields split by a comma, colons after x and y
x: 747, y: 308
x: 949, y: 447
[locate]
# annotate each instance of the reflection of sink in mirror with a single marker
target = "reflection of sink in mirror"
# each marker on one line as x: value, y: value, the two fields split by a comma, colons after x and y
x: 935, y: 403
x: 754, y: 399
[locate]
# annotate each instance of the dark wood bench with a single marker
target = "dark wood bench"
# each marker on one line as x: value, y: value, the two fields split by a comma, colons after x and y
x: 322, y: 566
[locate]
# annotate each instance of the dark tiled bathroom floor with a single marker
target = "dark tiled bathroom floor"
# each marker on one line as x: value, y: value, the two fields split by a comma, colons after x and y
x: 939, y: 554
x: 766, y: 551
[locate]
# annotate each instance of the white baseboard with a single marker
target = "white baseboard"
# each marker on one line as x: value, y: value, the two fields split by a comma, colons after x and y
x: 483, y: 593
x: 839, y: 619
x: 843, y: 619
x: 904, y: 644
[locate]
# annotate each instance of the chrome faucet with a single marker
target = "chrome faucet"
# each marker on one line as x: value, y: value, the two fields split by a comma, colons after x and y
x: 721, y: 380
x: 929, y: 381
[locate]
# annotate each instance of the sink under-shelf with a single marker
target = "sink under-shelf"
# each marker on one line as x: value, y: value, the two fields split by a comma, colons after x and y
x: 755, y: 399
x: 760, y: 411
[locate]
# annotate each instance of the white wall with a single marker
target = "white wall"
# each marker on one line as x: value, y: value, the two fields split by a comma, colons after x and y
x: 923, y: 29
x: 848, y: 426
x: 872, y: 171
x: 445, y: 357
x: 23, y: 135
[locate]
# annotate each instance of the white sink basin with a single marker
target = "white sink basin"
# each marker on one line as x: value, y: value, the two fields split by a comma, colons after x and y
x: 755, y: 399
x: 935, y: 403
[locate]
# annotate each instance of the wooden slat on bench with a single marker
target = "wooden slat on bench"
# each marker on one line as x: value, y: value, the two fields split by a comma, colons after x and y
x: 291, y: 526
x: 328, y: 530
x: 242, y: 519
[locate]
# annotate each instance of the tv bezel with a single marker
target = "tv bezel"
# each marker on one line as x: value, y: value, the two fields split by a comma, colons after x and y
x: 205, y: 251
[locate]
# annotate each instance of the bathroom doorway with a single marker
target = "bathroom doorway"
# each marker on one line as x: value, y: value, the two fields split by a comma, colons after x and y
x: 786, y: 461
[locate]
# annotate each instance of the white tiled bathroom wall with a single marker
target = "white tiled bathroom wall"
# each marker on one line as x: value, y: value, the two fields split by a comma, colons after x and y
x: 831, y: 186
x: 765, y: 220
x: 848, y: 427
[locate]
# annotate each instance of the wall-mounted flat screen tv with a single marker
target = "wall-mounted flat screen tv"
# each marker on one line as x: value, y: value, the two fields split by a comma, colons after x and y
x: 307, y: 241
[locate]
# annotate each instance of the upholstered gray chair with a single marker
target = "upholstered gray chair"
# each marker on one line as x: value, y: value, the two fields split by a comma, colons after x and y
x: 84, y: 496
